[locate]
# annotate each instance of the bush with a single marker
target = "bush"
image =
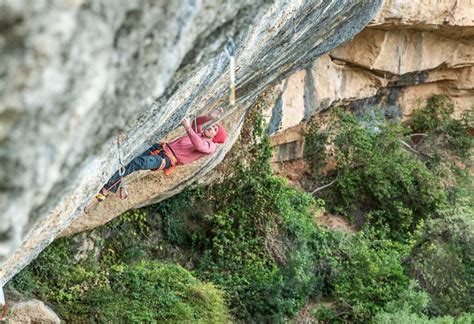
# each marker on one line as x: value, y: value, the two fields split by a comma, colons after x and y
x: 445, y: 134
x: 375, y: 176
x: 152, y: 291
x: 443, y: 262
x: 108, y: 291
x: 420, y: 198
x: 433, y: 115
x: 371, y: 277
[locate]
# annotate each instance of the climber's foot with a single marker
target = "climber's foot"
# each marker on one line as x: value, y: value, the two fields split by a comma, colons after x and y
x: 102, y: 194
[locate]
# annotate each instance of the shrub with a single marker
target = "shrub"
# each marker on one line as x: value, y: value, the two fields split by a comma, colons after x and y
x: 152, y: 291
x: 375, y: 176
x: 106, y: 290
x: 446, y: 137
x: 442, y: 261
x: 433, y: 115
x: 406, y: 317
x: 370, y: 276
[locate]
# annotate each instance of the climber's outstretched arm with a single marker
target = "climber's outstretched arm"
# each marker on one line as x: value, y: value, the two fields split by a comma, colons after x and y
x: 216, y: 114
x: 199, y: 143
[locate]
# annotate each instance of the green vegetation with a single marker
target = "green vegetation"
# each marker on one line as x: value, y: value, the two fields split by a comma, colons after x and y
x: 376, y: 179
x: 254, y: 236
x: 412, y: 318
x: 151, y: 291
x: 108, y: 290
x: 255, y: 251
x: 443, y: 262
x: 413, y: 204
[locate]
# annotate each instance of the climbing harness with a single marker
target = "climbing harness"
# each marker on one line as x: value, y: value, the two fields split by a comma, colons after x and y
x: 165, y: 151
x: 3, y: 305
x: 230, y: 51
x: 122, y: 189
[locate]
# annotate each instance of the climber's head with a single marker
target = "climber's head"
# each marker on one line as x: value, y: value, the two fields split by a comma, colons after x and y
x: 217, y: 133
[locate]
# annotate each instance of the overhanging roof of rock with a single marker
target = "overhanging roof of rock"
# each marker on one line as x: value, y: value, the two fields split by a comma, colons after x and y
x: 75, y: 72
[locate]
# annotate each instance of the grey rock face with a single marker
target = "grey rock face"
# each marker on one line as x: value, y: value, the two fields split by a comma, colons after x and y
x: 75, y: 72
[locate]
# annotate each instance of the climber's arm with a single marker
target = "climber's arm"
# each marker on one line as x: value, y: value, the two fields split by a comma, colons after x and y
x: 199, y: 143
x: 216, y: 114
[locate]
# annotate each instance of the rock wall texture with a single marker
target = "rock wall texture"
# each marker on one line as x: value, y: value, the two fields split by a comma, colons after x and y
x: 409, y: 51
x: 75, y: 72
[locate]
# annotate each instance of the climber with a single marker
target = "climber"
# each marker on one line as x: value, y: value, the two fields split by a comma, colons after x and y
x: 197, y: 143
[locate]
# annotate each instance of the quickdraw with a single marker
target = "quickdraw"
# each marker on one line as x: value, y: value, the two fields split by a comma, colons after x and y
x: 122, y: 189
x: 230, y: 50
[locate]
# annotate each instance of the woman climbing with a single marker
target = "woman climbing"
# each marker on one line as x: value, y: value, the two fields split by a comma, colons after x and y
x: 197, y: 143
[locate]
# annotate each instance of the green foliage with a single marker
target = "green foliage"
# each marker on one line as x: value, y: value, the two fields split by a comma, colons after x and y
x: 421, y: 200
x: 443, y: 262
x: 375, y: 175
x: 253, y: 232
x: 54, y: 278
x: 152, y: 291
x: 437, y: 110
x: 366, y: 276
x: 108, y: 290
x: 445, y: 134
x: 407, y: 317
x: 126, y: 239
x: 370, y: 277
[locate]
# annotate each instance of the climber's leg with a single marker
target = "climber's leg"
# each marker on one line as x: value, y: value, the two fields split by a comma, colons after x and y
x: 142, y: 162
x: 151, y: 149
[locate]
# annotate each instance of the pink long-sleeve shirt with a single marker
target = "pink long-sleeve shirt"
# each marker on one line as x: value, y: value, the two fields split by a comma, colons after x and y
x: 193, y: 146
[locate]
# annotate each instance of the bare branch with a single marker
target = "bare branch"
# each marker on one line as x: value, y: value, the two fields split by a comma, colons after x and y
x: 409, y: 147
x: 324, y: 187
x: 413, y: 150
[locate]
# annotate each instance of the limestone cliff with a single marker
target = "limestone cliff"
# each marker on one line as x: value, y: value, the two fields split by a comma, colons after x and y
x: 75, y: 72
x: 409, y: 51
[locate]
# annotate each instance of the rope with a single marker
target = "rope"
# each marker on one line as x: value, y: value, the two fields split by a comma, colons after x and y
x: 121, y: 169
x: 230, y: 50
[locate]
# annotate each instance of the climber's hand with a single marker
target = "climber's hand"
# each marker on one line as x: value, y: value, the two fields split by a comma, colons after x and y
x: 186, y: 123
x: 216, y: 114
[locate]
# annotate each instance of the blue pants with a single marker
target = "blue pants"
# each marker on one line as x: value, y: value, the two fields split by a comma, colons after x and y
x: 145, y: 161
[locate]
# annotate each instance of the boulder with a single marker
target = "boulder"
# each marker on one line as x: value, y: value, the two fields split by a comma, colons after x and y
x: 32, y: 311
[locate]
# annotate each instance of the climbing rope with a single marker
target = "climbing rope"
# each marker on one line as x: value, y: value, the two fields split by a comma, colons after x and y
x: 194, y: 119
x: 230, y: 50
x: 121, y: 169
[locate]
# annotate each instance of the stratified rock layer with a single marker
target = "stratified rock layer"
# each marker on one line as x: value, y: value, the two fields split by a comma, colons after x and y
x: 75, y: 72
x: 410, y: 51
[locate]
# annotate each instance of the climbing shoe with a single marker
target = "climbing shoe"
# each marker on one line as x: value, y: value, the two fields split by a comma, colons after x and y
x: 100, y: 197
